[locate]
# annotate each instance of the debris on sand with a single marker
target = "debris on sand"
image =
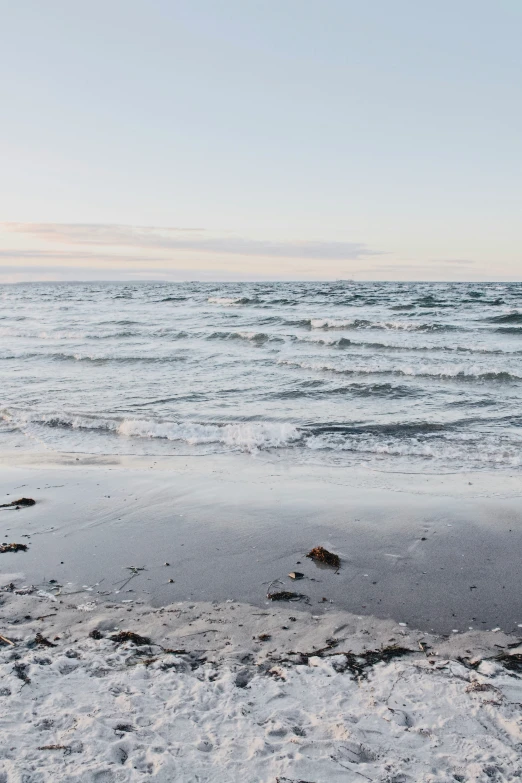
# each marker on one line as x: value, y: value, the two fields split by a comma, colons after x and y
x: 511, y: 661
x: 284, y: 595
x: 130, y: 636
x: 322, y: 555
x: 20, y: 670
x: 20, y: 503
x: 296, y: 575
x: 13, y: 547
x: 95, y: 634
x: 5, y: 640
x: 357, y: 664
x: 289, y: 780
x: 41, y: 641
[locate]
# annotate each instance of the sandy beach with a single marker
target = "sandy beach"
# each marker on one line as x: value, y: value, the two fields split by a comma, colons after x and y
x: 386, y: 669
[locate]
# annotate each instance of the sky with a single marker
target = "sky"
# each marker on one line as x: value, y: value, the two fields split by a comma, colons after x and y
x: 260, y: 139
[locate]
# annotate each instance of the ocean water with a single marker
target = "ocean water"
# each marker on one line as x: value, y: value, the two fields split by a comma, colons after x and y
x: 400, y: 376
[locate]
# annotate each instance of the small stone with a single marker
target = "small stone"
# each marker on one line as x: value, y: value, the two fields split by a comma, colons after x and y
x: 296, y: 575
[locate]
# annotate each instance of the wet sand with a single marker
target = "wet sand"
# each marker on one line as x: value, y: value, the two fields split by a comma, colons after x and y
x: 440, y: 553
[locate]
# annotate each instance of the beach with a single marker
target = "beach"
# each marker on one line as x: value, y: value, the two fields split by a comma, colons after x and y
x: 186, y: 447
x: 228, y: 685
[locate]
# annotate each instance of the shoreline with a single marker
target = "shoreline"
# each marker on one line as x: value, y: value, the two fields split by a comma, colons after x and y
x: 439, y: 553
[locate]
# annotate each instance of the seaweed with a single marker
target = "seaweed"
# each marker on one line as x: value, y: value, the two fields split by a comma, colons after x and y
x: 322, y: 555
x: 511, y: 661
x: 130, y: 636
x: 13, y: 547
x: 21, y: 502
x: 41, y: 641
x: 356, y: 664
x: 291, y: 780
x: 284, y: 595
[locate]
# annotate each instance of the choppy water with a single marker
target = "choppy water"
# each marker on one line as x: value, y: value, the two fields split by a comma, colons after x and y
x: 409, y: 376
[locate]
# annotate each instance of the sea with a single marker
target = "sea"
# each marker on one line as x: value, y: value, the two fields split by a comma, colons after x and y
x: 412, y: 377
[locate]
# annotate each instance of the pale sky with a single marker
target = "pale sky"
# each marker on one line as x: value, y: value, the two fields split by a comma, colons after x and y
x: 260, y: 139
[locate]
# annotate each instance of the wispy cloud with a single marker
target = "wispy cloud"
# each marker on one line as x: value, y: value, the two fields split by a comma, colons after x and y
x: 143, y: 238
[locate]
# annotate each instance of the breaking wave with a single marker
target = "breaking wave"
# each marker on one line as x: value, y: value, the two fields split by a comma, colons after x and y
x: 457, y: 372
x: 254, y: 337
x: 231, y: 301
x: 241, y: 436
x: 361, y: 323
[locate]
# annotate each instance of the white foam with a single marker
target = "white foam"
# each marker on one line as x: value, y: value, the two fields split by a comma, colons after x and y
x: 244, y: 436
x: 225, y: 301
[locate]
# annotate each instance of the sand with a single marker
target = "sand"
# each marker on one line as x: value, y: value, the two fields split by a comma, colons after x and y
x: 441, y: 553
x: 293, y: 705
x: 229, y: 706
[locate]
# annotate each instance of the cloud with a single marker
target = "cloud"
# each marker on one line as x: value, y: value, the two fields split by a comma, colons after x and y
x: 142, y: 238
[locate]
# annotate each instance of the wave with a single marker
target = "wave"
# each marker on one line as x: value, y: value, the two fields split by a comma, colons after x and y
x: 509, y: 330
x: 173, y: 299
x: 231, y: 301
x: 407, y: 439
x: 410, y: 428
x: 509, y: 318
x: 463, y: 450
x: 92, y: 359
x: 241, y: 436
x: 360, y: 323
x: 444, y: 373
x: 122, y: 322
x: 259, y: 338
x: 388, y: 390
x: 62, y: 335
x: 345, y: 342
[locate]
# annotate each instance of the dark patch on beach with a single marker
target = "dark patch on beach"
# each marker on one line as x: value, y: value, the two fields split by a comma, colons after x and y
x: 13, y: 547
x: 41, y: 641
x: 20, y: 503
x: 20, y: 670
x: 510, y: 661
x: 284, y: 595
x: 357, y: 664
x: 130, y: 636
x: 322, y: 555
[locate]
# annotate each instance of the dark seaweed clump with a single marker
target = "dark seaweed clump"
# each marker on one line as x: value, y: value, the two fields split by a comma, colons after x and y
x: 13, y: 547
x: 130, y: 636
x: 322, y: 555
